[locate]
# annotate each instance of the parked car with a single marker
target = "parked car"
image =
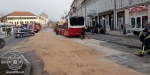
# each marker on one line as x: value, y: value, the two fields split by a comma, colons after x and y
x: 23, y: 33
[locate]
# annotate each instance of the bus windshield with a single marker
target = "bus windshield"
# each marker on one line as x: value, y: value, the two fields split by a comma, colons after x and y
x: 76, y: 21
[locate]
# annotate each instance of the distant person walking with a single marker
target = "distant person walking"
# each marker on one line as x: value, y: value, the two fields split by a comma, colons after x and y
x: 92, y: 28
x: 83, y: 33
x: 7, y: 30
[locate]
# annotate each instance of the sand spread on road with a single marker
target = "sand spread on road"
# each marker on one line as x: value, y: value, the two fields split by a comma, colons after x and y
x: 64, y: 57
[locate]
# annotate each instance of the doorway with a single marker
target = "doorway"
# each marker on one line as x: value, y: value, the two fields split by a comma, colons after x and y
x: 138, y: 23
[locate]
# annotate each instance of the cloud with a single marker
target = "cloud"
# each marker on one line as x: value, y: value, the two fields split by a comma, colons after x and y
x: 54, y: 8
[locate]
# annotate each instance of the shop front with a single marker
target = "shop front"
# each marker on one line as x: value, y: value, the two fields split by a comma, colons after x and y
x: 107, y: 21
x: 5, y: 26
x: 120, y: 19
x: 138, y: 17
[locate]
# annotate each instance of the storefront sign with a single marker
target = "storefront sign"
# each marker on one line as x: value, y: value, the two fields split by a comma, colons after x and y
x: 138, y: 8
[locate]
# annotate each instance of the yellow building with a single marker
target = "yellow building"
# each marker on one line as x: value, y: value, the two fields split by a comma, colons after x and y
x: 21, y: 17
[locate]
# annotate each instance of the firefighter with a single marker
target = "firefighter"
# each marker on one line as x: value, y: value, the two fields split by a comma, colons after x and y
x: 83, y: 33
x: 145, y: 39
x: 145, y: 45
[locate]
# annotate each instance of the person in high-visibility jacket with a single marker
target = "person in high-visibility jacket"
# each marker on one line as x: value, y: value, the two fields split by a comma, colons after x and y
x: 143, y: 36
x: 140, y: 35
x: 145, y: 45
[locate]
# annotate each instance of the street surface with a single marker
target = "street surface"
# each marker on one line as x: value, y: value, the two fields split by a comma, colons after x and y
x: 11, y: 42
x: 58, y: 55
x: 52, y: 54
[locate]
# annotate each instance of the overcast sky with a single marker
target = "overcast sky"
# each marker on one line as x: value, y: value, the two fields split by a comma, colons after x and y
x: 54, y: 8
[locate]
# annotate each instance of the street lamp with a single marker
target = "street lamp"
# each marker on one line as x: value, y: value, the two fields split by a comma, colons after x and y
x: 103, y: 18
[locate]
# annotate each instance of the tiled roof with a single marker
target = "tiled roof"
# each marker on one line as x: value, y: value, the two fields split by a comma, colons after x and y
x: 21, y: 13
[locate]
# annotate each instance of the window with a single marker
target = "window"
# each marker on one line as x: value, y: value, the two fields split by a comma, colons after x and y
x: 143, y: 0
x: 111, y: 2
x: 138, y: 19
x: 144, y: 21
x: 130, y: 2
x: 133, y: 22
x: 105, y: 4
x: 120, y: 3
x: 75, y: 21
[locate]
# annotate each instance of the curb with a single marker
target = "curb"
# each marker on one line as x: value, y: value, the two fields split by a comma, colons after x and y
x: 132, y: 46
x: 120, y: 36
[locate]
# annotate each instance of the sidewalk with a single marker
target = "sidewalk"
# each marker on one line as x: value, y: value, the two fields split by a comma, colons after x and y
x: 2, y: 36
x: 119, y: 34
x: 127, y: 41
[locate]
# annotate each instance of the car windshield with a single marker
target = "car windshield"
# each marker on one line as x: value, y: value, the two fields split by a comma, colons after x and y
x: 24, y: 30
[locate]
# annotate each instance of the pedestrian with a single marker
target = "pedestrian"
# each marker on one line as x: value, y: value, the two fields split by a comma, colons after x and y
x: 93, y: 28
x: 144, y: 37
x: 85, y: 28
x: 96, y: 28
x: 83, y: 33
x: 7, y: 32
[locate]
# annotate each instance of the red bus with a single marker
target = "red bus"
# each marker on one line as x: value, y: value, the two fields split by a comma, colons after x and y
x: 72, y: 26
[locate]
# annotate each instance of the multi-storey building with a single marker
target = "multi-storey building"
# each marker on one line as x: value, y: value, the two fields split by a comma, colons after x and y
x: 20, y: 17
x: 76, y: 8
x: 43, y: 19
x: 90, y: 11
x: 133, y: 12
x: 101, y: 12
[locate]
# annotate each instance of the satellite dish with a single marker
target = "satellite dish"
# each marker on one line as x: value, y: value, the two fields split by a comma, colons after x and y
x: 2, y: 43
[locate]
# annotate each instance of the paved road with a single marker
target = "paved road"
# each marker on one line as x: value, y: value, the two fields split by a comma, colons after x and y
x: 120, y: 54
x: 10, y: 43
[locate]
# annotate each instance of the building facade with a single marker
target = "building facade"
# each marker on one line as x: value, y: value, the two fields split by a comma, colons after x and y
x: 76, y: 8
x: 113, y: 14
x: 43, y: 19
x: 20, y: 17
x: 100, y: 12
x: 133, y: 13
x: 90, y: 11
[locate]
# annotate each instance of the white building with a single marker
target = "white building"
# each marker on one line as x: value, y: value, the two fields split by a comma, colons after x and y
x: 4, y: 26
x: 133, y: 12
x: 43, y: 19
x: 99, y: 11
